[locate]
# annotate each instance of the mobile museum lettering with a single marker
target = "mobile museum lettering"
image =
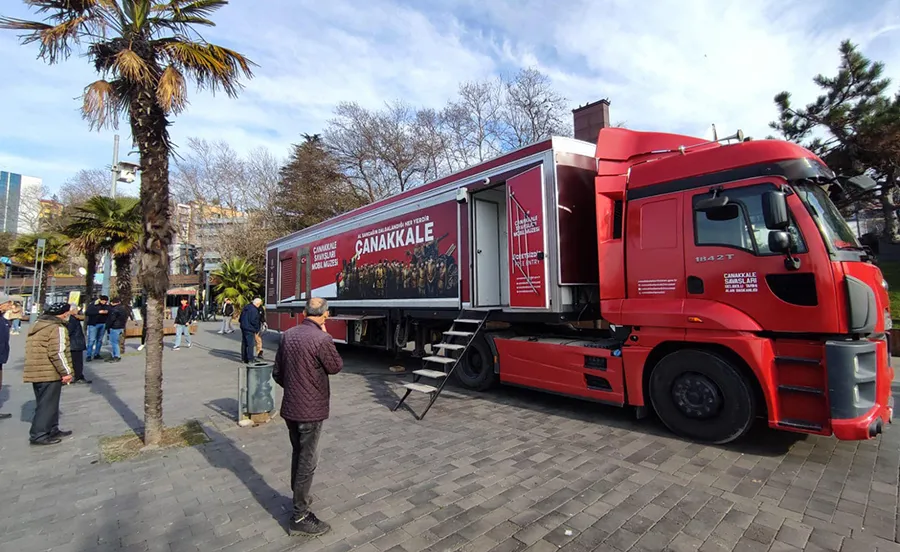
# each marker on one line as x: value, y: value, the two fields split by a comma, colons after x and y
x: 401, y: 234
x: 741, y: 282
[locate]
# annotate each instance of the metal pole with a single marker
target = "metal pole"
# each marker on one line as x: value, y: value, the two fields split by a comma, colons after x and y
x: 37, y: 249
x: 41, y: 273
x: 107, y: 257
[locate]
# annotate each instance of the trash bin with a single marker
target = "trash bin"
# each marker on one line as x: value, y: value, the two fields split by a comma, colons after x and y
x: 256, y: 390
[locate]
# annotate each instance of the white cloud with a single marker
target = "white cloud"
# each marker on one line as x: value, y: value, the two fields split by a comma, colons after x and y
x: 664, y: 65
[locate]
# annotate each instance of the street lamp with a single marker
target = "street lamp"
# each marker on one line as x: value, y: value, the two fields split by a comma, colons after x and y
x: 122, y: 171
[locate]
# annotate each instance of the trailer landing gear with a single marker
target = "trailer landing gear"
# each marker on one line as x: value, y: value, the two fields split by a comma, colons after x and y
x: 702, y: 396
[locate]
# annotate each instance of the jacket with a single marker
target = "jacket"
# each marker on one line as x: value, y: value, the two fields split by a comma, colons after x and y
x: 306, y: 357
x: 4, y: 341
x: 47, y: 356
x: 185, y: 315
x: 118, y: 318
x: 262, y: 315
x: 92, y: 313
x: 77, y: 342
x: 249, y: 320
x: 228, y: 309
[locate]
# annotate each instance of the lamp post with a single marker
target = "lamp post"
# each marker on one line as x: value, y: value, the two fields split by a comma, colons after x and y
x: 39, y: 251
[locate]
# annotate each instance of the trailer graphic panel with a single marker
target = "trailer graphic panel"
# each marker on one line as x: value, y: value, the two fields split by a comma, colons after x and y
x: 414, y: 256
x: 527, y: 240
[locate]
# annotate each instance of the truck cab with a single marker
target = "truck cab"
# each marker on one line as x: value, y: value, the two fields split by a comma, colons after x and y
x: 742, y: 291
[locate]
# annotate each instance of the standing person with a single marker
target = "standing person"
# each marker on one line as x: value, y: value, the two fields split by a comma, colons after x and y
x: 77, y: 345
x: 250, y: 325
x: 262, y: 329
x: 143, y: 324
x: 96, y: 315
x: 227, y: 314
x: 14, y: 315
x: 117, y: 322
x: 48, y: 365
x: 183, y: 319
x: 305, y: 358
x: 5, y: 306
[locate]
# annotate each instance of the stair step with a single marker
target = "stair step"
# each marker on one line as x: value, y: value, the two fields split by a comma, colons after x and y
x: 420, y: 387
x: 459, y: 333
x: 468, y: 321
x: 434, y: 374
x: 449, y: 346
x: 440, y: 359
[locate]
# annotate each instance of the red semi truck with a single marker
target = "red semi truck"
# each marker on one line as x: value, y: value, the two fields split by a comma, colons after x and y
x: 712, y: 282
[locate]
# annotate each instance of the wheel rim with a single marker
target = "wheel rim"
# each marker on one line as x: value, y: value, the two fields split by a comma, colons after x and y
x: 473, y: 365
x: 696, y: 396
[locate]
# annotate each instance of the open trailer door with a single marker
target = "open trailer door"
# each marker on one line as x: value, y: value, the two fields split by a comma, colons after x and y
x: 527, y: 236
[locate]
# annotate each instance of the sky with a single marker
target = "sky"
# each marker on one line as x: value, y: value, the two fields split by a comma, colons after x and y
x: 665, y: 65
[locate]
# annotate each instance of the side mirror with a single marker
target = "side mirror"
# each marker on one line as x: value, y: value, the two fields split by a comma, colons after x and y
x: 779, y: 241
x: 775, y: 211
x: 711, y: 204
x: 863, y: 181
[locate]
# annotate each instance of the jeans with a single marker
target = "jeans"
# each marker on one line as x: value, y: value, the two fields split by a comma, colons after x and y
x: 181, y: 329
x: 46, y: 410
x: 226, y: 325
x: 248, y: 345
x: 95, y: 339
x: 114, y: 335
x: 17, y: 323
x: 304, y: 457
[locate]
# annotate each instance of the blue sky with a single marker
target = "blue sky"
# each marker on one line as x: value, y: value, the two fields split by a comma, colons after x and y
x: 664, y: 65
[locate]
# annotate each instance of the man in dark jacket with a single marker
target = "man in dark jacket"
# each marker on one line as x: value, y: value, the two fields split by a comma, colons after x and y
x: 116, y: 322
x: 306, y: 357
x: 96, y: 315
x: 5, y: 305
x: 184, y: 317
x: 250, y: 325
x: 77, y: 345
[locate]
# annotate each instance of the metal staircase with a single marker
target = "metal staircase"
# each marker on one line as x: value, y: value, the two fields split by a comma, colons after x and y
x: 462, y: 327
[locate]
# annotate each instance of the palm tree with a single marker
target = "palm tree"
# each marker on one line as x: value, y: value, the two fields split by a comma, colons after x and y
x: 24, y: 251
x: 145, y: 50
x: 236, y: 280
x: 109, y: 225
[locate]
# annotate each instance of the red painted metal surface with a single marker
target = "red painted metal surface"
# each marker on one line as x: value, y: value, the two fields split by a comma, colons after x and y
x: 527, y: 261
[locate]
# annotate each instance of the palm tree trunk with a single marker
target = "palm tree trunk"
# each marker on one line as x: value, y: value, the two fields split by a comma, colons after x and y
x: 42, y: 296
x: 123, y: 279
x: 148, y: 126
x: 90, y: 256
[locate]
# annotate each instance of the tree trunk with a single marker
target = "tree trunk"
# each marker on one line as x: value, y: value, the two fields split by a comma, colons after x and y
x: 42, y: 296
x: 148, y: 126
x: 90, y: 256
x: 891, y: 226
x: 123, y: 279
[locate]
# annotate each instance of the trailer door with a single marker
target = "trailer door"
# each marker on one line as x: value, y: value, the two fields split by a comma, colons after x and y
x: 527, y: 240
x: 487, y: 253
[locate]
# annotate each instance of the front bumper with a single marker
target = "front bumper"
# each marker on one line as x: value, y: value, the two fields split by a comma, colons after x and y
x: 859, y: 388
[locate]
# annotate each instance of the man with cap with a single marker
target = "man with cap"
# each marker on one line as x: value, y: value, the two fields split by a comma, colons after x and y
x: 5, y: 304
x: 48, y: 365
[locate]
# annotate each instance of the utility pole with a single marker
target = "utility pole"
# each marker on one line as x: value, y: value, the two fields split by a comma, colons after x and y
x: 107, y: 258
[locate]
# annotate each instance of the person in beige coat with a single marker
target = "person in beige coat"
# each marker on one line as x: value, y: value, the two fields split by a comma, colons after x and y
x: 48, y: 365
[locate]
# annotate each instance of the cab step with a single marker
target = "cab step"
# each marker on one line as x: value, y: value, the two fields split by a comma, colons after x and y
x: 433, y: 374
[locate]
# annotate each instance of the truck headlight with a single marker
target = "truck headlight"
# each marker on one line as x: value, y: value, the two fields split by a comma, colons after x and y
x: 888, y: 323
x: 885, y: 285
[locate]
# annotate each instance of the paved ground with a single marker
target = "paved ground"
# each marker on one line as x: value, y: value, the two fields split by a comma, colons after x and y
x: 507, y: 470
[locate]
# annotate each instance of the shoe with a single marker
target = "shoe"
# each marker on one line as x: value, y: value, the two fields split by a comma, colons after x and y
x: 190, y: 345
x: 82, y: 380
x: 175, y: 348
x: 141, y: 347
x: 309, y: 525
x: 46, y: 441
x: 5, y: 416
x: 60, y: 433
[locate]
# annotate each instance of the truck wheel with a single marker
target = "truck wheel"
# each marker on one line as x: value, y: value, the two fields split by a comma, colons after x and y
x: 476, y: 368
x: 702, y: 396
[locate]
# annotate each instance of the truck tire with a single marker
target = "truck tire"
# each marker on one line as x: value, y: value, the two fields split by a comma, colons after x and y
x: 702, y: 396
x: 476, y: 368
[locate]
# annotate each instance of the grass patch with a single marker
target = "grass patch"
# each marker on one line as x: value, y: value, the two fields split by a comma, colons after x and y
x: 891, y: 272
x: 130, y: 445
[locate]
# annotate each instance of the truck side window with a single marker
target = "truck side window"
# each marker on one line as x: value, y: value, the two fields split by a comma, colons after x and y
x: 748, y: 231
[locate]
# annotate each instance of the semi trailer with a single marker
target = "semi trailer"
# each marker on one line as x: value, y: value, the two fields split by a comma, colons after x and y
x: 710, y: 282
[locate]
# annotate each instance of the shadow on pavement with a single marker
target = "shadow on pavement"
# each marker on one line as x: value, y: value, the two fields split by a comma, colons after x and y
x: 102, y: 387
x: 223, y: 453
x: 27, y: 410
x: 227, y: 407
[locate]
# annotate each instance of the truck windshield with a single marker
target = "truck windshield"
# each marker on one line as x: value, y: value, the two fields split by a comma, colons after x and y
x: 830, y: 221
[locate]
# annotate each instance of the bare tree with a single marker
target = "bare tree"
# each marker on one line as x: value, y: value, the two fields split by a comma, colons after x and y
x: 85, y: 184
x: 31, y: 219
x: 532, y: 110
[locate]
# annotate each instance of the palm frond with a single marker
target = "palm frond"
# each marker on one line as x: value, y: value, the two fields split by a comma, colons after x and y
x: 101, y: 105
x: 210, y: 65
x: 132, y: 67
x: 171, y: 93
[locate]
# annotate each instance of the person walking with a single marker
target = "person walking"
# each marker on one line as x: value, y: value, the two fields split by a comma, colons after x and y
x: 227, y: 315
x: 116, y: 322
x: 250, y: 325
x: 77, y: 345
x: 183, y: 319
x: 143, y: 324
x: 5, y: 306
x: 262, y: 329
x: 96, y: 315
x: 14, y: 316
x: 48, y: 365
x: 305, y: 359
